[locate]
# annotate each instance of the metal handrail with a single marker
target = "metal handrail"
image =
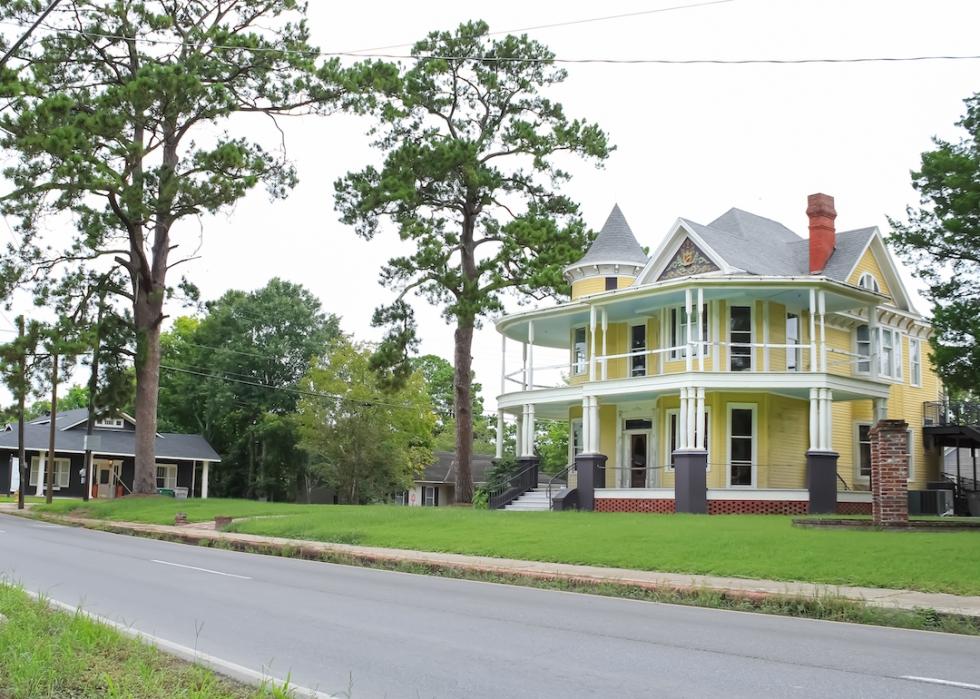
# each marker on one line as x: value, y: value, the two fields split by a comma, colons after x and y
x: 843, y: 482
x: 564, y: 472
x: 507, y: 490
x: 950, y: 413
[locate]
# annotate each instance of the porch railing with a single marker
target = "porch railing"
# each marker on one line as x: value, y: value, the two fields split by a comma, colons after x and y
x: 557, y: 480
x: 508, y: 489
x: 950, y: 413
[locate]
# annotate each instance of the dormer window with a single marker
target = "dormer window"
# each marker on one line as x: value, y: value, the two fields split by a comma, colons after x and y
x: 115, y: 423
x: 868, y: 281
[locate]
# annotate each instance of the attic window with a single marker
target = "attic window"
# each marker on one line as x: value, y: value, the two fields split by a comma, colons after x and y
x: 611, y: 283
x: 112, y: 422
x: 868, y: 281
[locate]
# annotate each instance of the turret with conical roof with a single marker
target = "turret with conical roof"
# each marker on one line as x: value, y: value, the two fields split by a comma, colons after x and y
x: 613, y: 261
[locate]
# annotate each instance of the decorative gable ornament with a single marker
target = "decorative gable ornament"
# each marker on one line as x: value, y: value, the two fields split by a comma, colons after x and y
x: 687, y: 261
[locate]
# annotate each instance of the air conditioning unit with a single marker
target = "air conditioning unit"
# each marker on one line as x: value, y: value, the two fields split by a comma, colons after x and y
x: 930, y: 502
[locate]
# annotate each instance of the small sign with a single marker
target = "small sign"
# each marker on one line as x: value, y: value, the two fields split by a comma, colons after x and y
x: 14, y: 474
x: 93, y: 442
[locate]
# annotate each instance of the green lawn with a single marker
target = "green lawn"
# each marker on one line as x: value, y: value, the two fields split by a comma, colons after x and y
x: 27, y: 498
x: 735, y: 545
x: 50, y: 654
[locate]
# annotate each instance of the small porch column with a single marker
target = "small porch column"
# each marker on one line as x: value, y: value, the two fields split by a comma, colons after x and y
x: 700, y: 329
x: 821, y: 459
x: 590, y: 464
x: 766, y: 320
x: 204, y: 479
x: 592, y: 326
x: 688, y: 358
x: 813, y: 330
x: 690, y: 395
x: 699, y: 433
x: 605, y: 329
x: 690, y: 461
x: 500, y: 434
x: 524, y: 366
x: 530, y: 355
x: 42, y: 465
x: 503, y: 364
x: 193, y: 478
x: 682, y: 420
x: 880, y: 409
x: 821, y: 309
x: 528, y: 448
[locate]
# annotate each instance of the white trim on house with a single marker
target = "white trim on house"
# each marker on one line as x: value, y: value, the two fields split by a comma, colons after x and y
x: 170, y: 474
x: 856, y: 447
x: 62, y: 469
x: 668, y: 248
x: 897, y: 291
x: 123, y: 416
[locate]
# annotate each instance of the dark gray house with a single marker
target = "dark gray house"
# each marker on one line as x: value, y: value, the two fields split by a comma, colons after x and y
x: 437, y: 486
x: 183, y: 460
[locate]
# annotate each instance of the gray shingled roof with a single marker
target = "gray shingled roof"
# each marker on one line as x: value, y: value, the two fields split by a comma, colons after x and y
x: 762, y: 246
x: 118, y: 442
x: 615, y: 243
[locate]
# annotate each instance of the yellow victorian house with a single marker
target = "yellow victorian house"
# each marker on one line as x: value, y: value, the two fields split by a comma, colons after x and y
x: 738, y: 368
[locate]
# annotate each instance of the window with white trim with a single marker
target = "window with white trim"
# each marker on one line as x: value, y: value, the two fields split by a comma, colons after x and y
x: 638, y: 347
x: 167, y: 476
x: 863, y: 459
x: 863, y: 339
x: 579, y: 350
x: 915, y: 361
x: 741, y: 445
x: 62, y: 472
x: 890, y: 341
x: 740, y: 337
x: 868, y: 281
x: 111, y: 422
x: 794, y: 357
x: 678, y: 332
x: 430, y: 496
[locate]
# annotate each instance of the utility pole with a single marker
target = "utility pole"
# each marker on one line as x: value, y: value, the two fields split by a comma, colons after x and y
x: 93, y: 386
x: 53, y: 429
x: 21, y: 396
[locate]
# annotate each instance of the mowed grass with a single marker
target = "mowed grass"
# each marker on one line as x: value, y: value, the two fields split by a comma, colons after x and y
x: 766, y: 546
x: 49, y: 654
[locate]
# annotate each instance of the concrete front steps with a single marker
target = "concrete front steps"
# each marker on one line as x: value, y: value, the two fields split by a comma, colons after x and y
x: 532, y: 501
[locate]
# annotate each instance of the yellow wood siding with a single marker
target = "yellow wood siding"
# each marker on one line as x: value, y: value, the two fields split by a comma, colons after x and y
x: 869, y: 263
x: 596, y: 285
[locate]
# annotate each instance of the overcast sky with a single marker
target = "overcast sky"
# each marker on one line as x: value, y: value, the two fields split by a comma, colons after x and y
x: 691, y: 141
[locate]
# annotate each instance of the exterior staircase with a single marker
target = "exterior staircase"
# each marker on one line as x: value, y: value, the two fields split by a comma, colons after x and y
x: 532, y: 501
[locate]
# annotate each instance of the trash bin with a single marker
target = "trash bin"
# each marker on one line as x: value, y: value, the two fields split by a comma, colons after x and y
x: 169, y: 492
x: 180, y: 493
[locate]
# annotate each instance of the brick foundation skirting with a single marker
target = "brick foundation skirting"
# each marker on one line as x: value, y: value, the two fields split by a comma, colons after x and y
x: 727, y: 507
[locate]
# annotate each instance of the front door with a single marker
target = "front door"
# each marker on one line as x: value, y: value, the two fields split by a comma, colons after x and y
x: 106, y: 474
x: 639, y: 473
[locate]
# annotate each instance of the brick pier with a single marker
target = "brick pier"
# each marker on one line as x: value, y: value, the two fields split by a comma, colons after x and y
x: 889, y: 473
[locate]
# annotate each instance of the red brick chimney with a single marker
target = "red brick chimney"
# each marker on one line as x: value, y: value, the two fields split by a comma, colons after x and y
x: 820, y: 209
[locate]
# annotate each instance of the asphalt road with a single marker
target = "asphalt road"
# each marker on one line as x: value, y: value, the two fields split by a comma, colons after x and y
x: 380, y: 633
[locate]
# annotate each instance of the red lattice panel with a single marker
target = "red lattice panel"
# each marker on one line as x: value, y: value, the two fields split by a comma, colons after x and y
x: 660, y: 507
x: 854, y: 508
x: 757, y: 507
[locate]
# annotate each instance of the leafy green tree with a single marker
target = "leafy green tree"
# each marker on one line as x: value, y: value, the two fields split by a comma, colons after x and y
x: 439, y: 377
x: 552, y: 445
x: 117, y: 116
x: 470, y: 179
x: 365, y: 439
x: 232, y: 375
x: 941, y: 240
x: 76, y: 397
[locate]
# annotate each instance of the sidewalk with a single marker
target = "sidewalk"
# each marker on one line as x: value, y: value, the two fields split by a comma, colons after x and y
x: 735, y: 587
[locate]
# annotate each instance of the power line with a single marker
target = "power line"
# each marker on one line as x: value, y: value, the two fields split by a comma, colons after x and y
x: 556, y: 60
x: 17, y: 44
x: 572, y: 22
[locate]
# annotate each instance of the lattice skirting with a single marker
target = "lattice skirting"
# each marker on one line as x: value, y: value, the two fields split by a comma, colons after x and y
x: 727, y: 507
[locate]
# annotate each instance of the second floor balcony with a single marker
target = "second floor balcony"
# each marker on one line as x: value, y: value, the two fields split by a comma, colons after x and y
x: 728, y: 325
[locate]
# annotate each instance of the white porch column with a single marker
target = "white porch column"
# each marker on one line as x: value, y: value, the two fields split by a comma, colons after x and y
x: 692, y: 416
x: 765, y: 335
x: 193, y: 478
x: 682, y: 419
x: 204, y: 480
x: 874, y: 361
x: 700, y: 329
x: 813, y: 330
x: 522, y: 446
x: 592, y: 325
x: 699, y: 435
x: 503, y: 363
x: 595, y: 426
x: 586, y: 425
x: 524, y: 366
x: 826, y: 415
x: 500, y: 434
x: 688, y: 349
x: 880, y: 409
x: 519, y: 437
x: 530, y: 430
x: 42, y: 463
x: 530, y: 355
x: 821, y: 309
x: 814, y: 419
x: 605, y: 329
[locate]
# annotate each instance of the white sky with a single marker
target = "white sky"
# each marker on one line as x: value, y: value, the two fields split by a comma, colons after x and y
x: 691, y: 141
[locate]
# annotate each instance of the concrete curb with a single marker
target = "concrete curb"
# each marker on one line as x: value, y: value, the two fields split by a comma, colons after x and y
x: 735, y: 588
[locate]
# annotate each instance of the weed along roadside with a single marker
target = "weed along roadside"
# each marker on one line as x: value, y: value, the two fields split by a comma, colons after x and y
x: 836, y: 601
